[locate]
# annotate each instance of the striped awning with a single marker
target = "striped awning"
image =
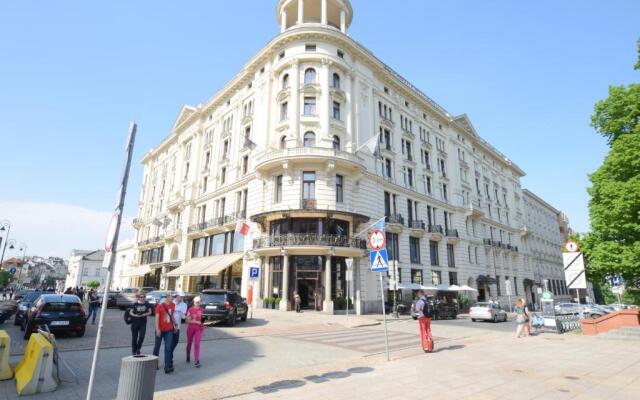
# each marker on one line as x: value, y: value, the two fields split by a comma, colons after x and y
x: 206, y: 265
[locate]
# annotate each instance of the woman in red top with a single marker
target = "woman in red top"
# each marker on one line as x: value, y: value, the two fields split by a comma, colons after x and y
x: 195, y: 328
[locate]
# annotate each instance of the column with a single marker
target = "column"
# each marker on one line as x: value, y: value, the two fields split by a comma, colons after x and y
x: 324, y: 12
x: 284, y: 293
x: 300, y: 11
x: 283, y: 21
x: 325, y: 111
x: 266, y: 273
x: 327, y: 306
x: 343, y: 22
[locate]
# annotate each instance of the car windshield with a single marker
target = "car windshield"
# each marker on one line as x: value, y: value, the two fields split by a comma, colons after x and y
x: 29, y: 297
x: 207, y: 298
x: 130, y: 290
x: 483, y: 305
x: 61, y: 306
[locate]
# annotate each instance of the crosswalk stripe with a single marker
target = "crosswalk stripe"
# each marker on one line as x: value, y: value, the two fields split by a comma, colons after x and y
x: 349, y: 337
x: 321, y: 336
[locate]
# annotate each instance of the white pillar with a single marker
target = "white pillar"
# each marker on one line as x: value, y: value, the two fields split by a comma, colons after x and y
x: 324, y: 12
x: 343, y: 22
x: 300, y: 11
x: 327, y: 306
x: 267, y: 277
x: 284, y: 296
x: 283, y: 21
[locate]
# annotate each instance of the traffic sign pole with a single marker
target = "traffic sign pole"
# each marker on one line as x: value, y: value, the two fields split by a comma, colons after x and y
x: 384, y: 317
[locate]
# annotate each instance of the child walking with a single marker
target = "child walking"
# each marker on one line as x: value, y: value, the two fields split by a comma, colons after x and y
x: 195, y: 329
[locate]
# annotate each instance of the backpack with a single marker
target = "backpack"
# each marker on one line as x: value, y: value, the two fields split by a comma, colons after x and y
x: 427, y: 309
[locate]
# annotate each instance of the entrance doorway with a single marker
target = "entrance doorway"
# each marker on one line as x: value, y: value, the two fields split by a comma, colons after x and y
x: 307, y: 289
x: 307, y: 274
x: 481, y: 294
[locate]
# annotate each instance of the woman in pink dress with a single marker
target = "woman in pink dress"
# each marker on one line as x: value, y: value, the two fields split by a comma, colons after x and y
x: 195, y: 328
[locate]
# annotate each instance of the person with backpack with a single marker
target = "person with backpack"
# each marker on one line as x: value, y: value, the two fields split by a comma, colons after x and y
x: 136, y: 316
x: 424, y: 310
x: 165, y: 329
x: 94, y: 304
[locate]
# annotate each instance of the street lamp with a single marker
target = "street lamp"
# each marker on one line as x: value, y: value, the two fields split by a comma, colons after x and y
x: 5, y: 225
x: 23, y: 249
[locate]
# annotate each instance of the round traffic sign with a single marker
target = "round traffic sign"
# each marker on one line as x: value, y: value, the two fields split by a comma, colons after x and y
x: 12, y: 270
x: 377, y: 239
x: 571, y: 246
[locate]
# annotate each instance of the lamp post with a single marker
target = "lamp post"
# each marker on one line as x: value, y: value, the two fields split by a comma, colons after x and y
x: 23, y: 249
x: 5, y: 225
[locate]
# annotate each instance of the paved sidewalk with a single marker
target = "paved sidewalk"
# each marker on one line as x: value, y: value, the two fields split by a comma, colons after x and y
x: 496, y: 366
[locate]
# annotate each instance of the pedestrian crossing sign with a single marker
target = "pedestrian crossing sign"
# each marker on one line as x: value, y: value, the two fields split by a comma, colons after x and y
x: 379, y: 261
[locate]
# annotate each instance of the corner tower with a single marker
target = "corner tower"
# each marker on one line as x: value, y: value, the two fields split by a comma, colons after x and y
x: 336, y: 14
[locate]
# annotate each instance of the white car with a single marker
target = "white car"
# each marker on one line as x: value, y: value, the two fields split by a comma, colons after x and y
x: 487, y: 312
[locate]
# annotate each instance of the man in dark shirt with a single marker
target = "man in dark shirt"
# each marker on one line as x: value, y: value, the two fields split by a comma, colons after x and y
x: 139, y: 312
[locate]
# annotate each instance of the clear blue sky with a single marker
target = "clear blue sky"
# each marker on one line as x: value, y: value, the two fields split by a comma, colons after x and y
x: 73, y: 73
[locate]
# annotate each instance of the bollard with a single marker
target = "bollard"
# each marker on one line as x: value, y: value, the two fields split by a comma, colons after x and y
x: 137, y: 378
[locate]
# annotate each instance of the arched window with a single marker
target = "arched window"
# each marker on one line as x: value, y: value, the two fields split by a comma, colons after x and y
x: 285, y: 82
x: 283, y: 142
x: 336, y: 81
x: 336, y: 143
x: 310, y: 76
x: 309, y: 139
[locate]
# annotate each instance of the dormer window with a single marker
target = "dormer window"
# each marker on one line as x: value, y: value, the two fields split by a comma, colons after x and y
x: 310, y: 76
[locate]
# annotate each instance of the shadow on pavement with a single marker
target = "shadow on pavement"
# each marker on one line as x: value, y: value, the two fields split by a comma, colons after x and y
x: 453, y: 347
x: 296, y: 383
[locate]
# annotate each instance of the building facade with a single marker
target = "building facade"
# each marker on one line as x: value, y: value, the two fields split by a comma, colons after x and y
x: 544, y: 232
x: 285, y: 146
x: 85, y: 266
x: 125, y: 259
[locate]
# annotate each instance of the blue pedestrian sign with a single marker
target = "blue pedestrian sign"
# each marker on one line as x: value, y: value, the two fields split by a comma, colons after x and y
x: 12, y: 270
x: 254, y: 272
x: 379, y: 261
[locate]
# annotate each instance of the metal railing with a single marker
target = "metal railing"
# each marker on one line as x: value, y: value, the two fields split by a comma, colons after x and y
x: 435, y: 229
x: 308, y: 204
x: 417, y: 224
x: 306, y: 151
x: 304, y: 239
x: 395, y: 219
x: 452, y: 233
x: 150, y: 240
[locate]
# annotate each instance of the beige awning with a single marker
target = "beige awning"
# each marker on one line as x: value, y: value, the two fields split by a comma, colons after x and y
x: 206, y: 265
x: 139, y: 271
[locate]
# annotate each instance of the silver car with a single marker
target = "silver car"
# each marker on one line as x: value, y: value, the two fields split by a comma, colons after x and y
x: 487, y: 312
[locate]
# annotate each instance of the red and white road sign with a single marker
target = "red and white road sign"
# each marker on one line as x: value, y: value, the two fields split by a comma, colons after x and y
x: 377, y: 240
x: 571, y: 246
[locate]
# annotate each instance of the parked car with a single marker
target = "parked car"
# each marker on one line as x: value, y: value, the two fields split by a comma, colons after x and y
x: 622, y: 306
x: 113, y: 298
x: 26, y: 298
x: 568, y: 309
x: 487, y: 312
x: 594, y: 311
x: 223, y: 305
x: 126, y: 297
x: 155, y: 297
x: 60, y: 312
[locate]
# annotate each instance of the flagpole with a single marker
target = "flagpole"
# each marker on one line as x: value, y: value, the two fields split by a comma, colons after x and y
x: 111, y: 246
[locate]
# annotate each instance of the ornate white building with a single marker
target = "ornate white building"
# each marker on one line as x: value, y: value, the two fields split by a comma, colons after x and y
x: 280, y: 146
x: 85, y: 266
x: 544, y: 232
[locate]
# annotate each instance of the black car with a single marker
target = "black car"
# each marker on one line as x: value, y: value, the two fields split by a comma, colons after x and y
x: 26, y: 298
x: 60, y: 312
x: 223, y: 305
x: 113, y: 298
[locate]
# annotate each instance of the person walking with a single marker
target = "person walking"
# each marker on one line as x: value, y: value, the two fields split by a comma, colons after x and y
x: 164, y: 328
x: 527, y: 318
x: 195, y: 329
x: 179, y: 313
x: 296, y: 301
x: 94, y: 304
x: 139, y: 312
x: 425, y: 313
x: 520, y: 317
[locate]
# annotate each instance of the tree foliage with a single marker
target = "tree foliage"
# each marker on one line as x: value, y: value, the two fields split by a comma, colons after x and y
x: 6, y: 278
x: 618, y: 114
x: 93, y: 284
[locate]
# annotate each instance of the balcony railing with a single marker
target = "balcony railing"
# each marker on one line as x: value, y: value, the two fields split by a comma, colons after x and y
x: 435, y: 229
x: 417, y: 224
x: 486, y: 242
x: 452, y: 233
x: 306, y: 151
x: 149, y: 240
x: 395, y: 219
x: 303, y: 239
x: 308, y: 204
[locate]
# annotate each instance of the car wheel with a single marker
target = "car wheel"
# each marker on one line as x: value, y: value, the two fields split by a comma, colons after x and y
x: 16, y: 321
x: 80, y: 333
x: 232, y: 319
x: 505, y: 318
x: 595, y: 316
x: 27, y: 332
x: 244, y: 316
x: 473, y: 319
x: 122, y: 308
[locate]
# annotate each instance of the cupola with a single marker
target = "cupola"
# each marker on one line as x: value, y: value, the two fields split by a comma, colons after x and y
x: 337, y: 14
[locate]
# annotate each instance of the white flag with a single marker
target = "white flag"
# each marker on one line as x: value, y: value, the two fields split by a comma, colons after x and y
x: 371, y: 145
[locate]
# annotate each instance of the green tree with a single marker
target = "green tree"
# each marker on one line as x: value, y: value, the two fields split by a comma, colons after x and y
x: 93, y: 284
x: 6, y: 278
x: 618, y: 114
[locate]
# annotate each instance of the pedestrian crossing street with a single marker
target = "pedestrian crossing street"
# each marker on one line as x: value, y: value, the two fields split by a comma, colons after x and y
x: 368, y: 341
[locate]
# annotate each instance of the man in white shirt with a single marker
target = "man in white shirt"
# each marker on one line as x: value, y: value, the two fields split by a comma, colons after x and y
x: 179, y: 313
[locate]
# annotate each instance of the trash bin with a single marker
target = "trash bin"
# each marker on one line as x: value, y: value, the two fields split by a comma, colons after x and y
x: 137, y: 378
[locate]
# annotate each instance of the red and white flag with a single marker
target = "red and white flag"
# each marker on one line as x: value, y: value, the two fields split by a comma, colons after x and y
x: 242, y: 228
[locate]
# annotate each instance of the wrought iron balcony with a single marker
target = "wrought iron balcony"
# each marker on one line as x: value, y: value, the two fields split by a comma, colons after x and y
x: 150, y: 240
x: 308, y: 204
x: 435, y: 229
x: 303, y: 239
x: 395, y: 219
x: 452, y: 233
x: 417, y: 224
x: 486, y: 242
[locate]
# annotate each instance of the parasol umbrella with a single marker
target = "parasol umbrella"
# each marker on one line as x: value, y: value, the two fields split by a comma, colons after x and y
x: 455, y: 288
x: 467, y: 288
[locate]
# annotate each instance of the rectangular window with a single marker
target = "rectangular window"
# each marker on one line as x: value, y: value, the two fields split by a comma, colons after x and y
x: 410, y: 176
x: 433, y: 252
x: 223, y: 175
x: 393, y: 248
x: 436, y: 277
x: 284, y: 111
x: 428, y: 180
x: 414, y: 250
x: 387, y: 204
x: 416, y: 276
x: 278, y: 193
x: 339, y: 189
x: 308, y: 185
x: 245, y: 165
x: 451, y: 258
x: 310, y: 47
x: 309, y: 106
x: 453, y: 278
x: 336, y: 110
x: 388, y: 168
